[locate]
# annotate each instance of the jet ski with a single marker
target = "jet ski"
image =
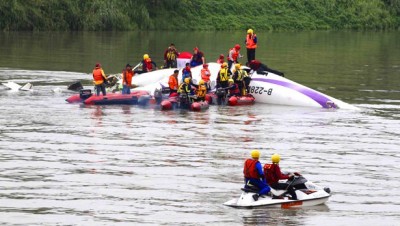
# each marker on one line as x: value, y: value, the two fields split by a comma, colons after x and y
x: 308, y: 194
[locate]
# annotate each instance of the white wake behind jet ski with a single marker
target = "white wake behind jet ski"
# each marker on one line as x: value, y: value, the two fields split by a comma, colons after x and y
x: 308, y: 194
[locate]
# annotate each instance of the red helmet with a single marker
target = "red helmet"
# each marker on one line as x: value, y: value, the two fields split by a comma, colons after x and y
x: 205, y: 65
x: 221, y: 56
x: 237, y: 46
x: 98, y: 65
x: 196, y: 49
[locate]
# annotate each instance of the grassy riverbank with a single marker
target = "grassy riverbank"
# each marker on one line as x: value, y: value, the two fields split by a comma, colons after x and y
x: 198, y: 14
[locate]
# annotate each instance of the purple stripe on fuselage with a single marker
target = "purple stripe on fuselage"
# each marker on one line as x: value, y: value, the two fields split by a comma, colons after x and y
x: 317, y: 97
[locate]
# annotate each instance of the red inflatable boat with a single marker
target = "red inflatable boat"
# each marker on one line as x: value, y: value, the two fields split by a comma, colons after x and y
x: 115, y: 98
x: 243, y: 100
x: 79, y: 98
x: 199, y: 106
x: 173, y: 103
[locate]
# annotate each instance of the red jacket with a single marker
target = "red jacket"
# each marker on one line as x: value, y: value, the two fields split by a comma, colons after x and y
x: 250, y: 170
x: 273, y: 173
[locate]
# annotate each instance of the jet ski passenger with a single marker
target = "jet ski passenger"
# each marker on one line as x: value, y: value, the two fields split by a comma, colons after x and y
x: 127, y: 75
x: 262, y: 68
x: 186, y: 73
x: 233, y: 88
x: 253, y: 174
x: 99, y: 79
x: 197, y: 58
x: 170, y: 55
x: 221, y: 60
x: 147, y: 64
x: 173, y: 82
x: 273, y: 174
x: 238, y: 77
x: 205, y: 76
x: 223, y: 76
x: 201, y: 91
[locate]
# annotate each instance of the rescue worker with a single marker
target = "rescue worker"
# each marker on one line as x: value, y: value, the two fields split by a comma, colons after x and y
x: 253, y: 175
x: 170, y: 55
x: 238, y: 77
x: 262, y: 68
x: 221, y: 59
x: 99, y: 79
x: 173, y: 82
x: 127, y: 75
x: 273, y: 174
x: 197, y: 58
x: 201, y: 91
x: 251, y: 45
x: 186, y: 73
x: 233, y: 88
x: 223, y: 76
x: 233, y: 55
x: 147, y: 64
x: 205, y: 76
x: 185, y: 91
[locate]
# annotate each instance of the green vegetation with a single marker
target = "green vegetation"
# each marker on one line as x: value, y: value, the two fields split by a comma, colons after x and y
x: 198, y: 14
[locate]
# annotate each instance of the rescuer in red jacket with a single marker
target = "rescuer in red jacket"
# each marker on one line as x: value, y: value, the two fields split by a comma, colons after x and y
x: 253, y: 174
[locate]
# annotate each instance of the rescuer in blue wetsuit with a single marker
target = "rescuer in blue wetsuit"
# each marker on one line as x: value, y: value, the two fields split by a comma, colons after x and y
x: 253, y: 174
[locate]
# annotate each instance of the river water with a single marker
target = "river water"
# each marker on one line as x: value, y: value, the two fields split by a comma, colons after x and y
x: 67, y: 164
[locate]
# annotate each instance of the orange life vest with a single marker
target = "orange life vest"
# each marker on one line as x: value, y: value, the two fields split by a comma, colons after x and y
x: 235, y: 55
x: 250, y: 170
x: 205, y: 75
x: 127, y: 77
x: 250, y: 42
x: 173, y: 82
x: 98, y: 76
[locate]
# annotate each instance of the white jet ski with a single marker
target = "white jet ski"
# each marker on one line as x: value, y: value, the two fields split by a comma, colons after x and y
x: 16, y: 87
x: 308, y: 194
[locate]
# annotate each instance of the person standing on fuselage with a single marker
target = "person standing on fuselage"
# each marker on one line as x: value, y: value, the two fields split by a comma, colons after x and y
x: 170, y: 55
x: 147, y: 64
x: 197, y: 58
x: 233, y: 56
x: 253, y: 174
x: 251, y: 45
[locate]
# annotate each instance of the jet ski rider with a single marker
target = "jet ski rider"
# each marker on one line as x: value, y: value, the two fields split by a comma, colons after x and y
x: 273, y: 174
x: 253, y: 174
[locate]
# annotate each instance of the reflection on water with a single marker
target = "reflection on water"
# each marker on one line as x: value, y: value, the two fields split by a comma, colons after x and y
x: 64, y: 164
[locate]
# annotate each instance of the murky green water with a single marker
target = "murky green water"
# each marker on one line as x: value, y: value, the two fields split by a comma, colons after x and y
x: 66, y: 164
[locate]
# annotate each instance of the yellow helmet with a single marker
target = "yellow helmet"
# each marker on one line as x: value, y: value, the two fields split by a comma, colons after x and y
x: 230, y: 80
x: 224, y: 64
x: 255, y: 154
x: 275, y: 158
x: 201, y: 82
x: 250, y: 31
x: 145, y: 56
x: 237, y: 66
x: 187, y: 80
